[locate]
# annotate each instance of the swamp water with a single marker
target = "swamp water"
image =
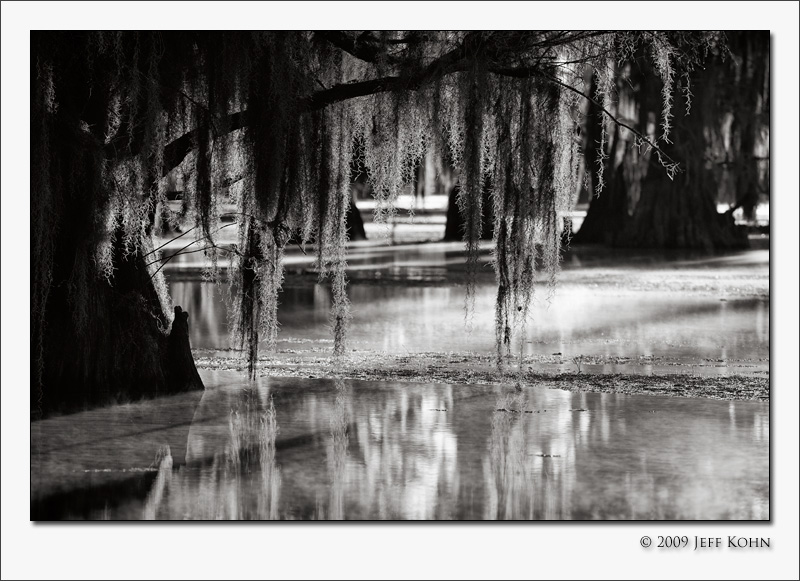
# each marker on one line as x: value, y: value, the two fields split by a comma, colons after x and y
x: 635, y: 313
x: 294, y: 448
x: 287, y: 448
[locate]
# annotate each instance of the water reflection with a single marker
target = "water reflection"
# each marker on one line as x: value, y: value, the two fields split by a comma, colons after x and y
x: 318, y: 449
x: 530, y: 473
x: 337, y: 451
x: 231, y: 472
x: 509, y: 475
x: 399, y: 462
x: 162, y: 483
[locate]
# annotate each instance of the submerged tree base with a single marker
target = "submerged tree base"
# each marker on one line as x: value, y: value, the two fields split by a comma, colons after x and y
x: 471, y: 368
x: 163, y: 366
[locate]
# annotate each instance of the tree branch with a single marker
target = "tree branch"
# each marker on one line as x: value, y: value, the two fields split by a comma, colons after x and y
x: 456, y: 60
x: 453, y: 61
x: 362, y: 48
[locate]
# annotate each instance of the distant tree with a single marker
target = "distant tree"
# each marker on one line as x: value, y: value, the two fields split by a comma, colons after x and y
x: 720, y: 134
x: 274, y: 116
x: 454, y: 218
x: 739, y: 148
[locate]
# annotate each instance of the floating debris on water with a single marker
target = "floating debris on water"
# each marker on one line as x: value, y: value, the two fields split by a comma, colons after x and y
x: 475, y: 368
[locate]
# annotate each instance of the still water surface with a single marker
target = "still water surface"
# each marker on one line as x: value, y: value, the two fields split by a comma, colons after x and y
x: 332, y: 449
x: 286, y: 448
x: 704, y: 315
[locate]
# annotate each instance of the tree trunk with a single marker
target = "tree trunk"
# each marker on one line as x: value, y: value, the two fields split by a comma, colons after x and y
x: 607, y: 214
x: 94, y: 340
x: 681, y: 212
x: 608, y: 211
x: 181, y: 373
x: 115, y: 351
x: 670, y: 213
x: 355, y: 223
x: 454, y: 226
x: 750, y: 103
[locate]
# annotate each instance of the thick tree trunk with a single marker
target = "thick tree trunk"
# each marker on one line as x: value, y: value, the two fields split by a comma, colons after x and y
x: 114, y: 351
x: 100, y: 340
x: 454, y: 226
x: 607, y: 214
x: 670, y: 213
x: 681, y: 212
x: 751, y: 114
x: 181, y: 372
x: 608, y: 211
x: 94, y: 339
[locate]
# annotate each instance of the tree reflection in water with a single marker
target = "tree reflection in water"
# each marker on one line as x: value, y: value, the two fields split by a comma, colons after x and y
x: 509, y: 482
x: 411, y: 457
x: 162, y: 482
x: 361, y: 450
x: 241, y: 481
x: 391, y: 456
x: 337, y: 450
x: 525, y: 470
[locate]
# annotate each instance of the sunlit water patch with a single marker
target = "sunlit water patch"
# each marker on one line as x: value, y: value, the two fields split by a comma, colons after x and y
x: 620, y: 311
x: 700, y: 332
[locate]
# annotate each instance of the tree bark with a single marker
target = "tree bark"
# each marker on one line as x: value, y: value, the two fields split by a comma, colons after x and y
x: 115, y: 351
x: 607, y: 215
x: 681, y: 212
x: 181, y: 372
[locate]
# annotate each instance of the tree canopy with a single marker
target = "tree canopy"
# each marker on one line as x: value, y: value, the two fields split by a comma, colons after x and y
x: 270, y: 121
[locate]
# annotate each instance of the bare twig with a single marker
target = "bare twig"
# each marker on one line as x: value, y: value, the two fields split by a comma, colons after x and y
x: 168, y: 258
x: 154, y: 250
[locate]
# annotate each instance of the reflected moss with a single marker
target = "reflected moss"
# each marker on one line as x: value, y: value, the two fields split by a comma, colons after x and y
x: 161, y: 484
x: 242, y: 481
x: 357, y: 450
x: 337, y: 451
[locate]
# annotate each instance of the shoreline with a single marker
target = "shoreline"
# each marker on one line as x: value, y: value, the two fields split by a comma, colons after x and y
x: 470, y: 369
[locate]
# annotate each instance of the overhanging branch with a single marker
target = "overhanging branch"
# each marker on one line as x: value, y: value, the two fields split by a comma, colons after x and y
x: 457, y: 60
x: 453, y: 61
x: 363, y: 47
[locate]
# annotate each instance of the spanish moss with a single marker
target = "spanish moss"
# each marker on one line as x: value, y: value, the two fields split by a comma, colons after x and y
x: 270, y: 122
